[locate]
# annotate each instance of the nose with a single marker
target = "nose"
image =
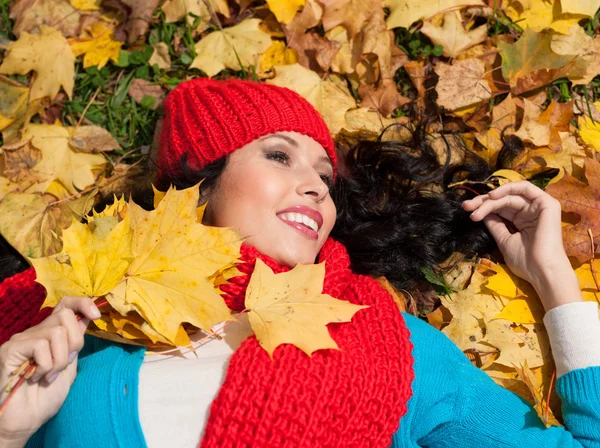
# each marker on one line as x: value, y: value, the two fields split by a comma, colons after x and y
x: 312, y: 185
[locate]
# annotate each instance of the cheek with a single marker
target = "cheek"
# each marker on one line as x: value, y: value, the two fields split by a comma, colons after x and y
x: 329, y: 215
x: 247, y: 198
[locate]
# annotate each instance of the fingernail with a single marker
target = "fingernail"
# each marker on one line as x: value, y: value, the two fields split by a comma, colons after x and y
x: 72, y: 356
x: 472, y: 215
x: 95, y: 312
x: 52, y: 378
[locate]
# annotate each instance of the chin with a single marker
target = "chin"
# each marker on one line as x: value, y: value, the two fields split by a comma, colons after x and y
x: 294, y: 256
x: 286, y: 253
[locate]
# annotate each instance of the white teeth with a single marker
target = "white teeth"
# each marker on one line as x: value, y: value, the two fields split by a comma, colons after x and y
x: 300, y: 218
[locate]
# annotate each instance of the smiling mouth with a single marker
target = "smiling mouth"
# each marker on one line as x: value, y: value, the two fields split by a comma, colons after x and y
x: 297, y: 222
x: 299, y: 218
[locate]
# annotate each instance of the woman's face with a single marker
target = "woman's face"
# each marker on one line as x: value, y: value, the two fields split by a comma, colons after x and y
x: 275, y: 192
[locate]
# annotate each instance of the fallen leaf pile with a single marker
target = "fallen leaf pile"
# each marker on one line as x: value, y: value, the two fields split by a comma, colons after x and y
x: 82, y: 82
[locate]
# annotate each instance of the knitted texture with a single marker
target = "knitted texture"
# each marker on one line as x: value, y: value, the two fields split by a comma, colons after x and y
x: 207, y: 119
x: 352, y: 397
x: 20, y: 301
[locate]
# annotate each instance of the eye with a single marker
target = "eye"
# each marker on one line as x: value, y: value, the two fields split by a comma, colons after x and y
x: 278, y: 156
x: 327, y: 180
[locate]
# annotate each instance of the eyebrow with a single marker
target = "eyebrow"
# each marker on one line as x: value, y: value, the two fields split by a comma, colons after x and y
x: 294, y: 143
x: 290, y: 140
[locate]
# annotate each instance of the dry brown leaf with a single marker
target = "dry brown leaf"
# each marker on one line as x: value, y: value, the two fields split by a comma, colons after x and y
x: 452, y: 35
x: 19, y: 160
x: 351, y: 14
x: 584, y: 200
x: 161, y: 56
x: 461, y: 84
x: 92, y: 139
x: 577, y: 42
x: 504, y: 118
x: 385, y: 98
x: 139, y: 19
x: 29, y: 15
x: 532, y: 129
x: 140, y: 88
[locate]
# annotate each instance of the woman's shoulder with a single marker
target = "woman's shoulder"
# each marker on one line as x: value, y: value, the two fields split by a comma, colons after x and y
x: 20, y: 300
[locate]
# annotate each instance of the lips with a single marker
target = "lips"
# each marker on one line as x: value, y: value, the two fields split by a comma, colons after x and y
x: 304, y: 210
x: 303, y: 219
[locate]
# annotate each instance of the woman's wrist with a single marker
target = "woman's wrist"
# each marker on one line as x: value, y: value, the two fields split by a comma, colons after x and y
x: 557, y: 285
x: 13, y: 442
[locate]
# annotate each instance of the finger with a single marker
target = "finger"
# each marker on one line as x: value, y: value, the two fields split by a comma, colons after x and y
x: 514, y: 202
x: 83, y: 305
x: 525, y: 188
x: 497, y: 227
x: 39, y: 351
x: 472, y: 204
x: 60, y: 352
x: 66, y: 318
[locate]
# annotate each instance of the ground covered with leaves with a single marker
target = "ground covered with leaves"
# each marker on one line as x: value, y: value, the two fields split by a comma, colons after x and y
x: 82, y: 82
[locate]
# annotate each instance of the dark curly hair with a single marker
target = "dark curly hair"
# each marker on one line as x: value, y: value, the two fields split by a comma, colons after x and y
x: 396, y: 214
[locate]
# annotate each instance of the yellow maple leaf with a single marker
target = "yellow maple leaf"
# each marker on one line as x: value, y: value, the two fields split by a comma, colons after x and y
x: 88, y: 265
x: 290, y: 308
x: 405, y: 12
x: 470, y: 309
x: 73, y: 169
x: 49, y: 56
x: 13, y: 101
x: 518, y: 343
x: 536, y: 388
x: 589, y: 130
x: 169, y: 281
x: 239, y: 44
x: 98, y: 47
x: 176, y: 10
x: 277, y: 54
x: 86, y: 5
x: 540, y: 14
x: 285, y: 10
x: 32, y: 223
x: 528, y: 309
x: 585, y: 8
x: 331, y: 99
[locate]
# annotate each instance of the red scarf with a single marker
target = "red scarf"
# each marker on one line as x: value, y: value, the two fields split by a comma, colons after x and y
x: 353, y: 397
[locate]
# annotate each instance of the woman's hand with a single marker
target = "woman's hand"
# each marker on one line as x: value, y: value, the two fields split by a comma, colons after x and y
x: 535, y: 252
x: 53, y: 345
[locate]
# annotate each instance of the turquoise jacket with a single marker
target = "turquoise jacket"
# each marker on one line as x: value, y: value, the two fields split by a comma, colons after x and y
x: 454, y: 404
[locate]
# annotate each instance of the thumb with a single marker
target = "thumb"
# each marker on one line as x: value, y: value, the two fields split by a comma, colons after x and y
x: 497, y: 227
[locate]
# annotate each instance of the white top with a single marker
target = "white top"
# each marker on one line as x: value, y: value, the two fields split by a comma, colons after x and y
x: 175, y: 392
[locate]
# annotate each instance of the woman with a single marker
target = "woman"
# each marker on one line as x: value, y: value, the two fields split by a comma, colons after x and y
x: 269, y: 165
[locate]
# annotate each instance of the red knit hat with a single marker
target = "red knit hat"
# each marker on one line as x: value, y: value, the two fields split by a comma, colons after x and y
x: 207, y: 119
